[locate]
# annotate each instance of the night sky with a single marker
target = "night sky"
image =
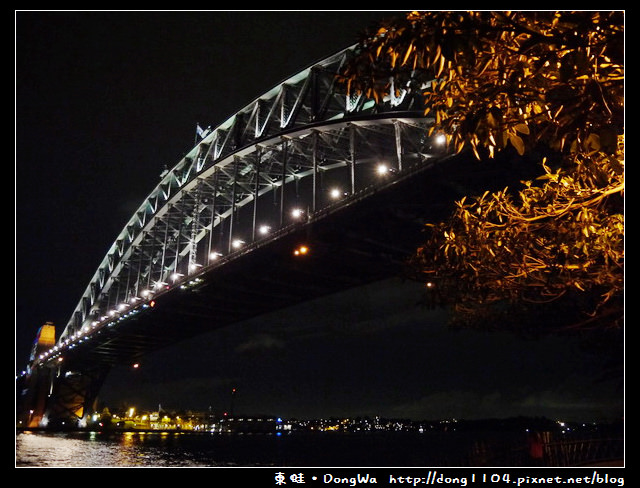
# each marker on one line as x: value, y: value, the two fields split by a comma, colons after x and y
x: 105, y: 100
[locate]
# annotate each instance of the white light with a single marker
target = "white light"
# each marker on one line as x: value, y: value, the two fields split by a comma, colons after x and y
x: 296, y: 213
x: 264, y: 229
x: 194, y: 266
x: 383, y: 169
x: 440, y: 139
x: 214, y: 255
x: 335, y: 193
x: 237, y: 243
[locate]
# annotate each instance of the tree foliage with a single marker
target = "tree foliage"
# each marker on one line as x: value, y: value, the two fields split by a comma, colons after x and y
x: 497, y: 82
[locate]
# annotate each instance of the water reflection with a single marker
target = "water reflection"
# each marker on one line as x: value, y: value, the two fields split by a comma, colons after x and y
x: 94, y: 449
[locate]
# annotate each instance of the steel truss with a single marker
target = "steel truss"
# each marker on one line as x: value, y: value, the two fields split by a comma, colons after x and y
x: 301, y: 146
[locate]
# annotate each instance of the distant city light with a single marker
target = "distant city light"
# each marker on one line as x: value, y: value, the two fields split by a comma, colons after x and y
x: 301, y: 251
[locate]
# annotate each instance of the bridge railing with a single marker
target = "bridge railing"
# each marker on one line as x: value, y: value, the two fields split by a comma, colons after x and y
x: 558, y: 453
x: 580, y: 452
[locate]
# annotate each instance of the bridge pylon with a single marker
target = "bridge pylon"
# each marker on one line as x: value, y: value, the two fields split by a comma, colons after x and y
x: 54, y: 395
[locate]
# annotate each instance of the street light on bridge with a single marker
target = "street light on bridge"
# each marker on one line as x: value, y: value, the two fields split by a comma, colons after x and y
x: 301, y: 251
x: 440, y: 139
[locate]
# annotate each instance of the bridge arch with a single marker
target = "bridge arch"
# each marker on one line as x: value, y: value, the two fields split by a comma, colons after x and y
x: 302, y: 146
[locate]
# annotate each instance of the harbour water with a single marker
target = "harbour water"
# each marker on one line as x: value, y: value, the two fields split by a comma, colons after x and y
x: 184, y: 449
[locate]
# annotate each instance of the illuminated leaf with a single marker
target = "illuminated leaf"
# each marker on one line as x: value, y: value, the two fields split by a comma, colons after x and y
x: 517, y: 142
x: 495, y: 84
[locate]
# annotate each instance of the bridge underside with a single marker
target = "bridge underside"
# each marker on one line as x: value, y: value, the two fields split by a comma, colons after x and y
x: 366, y: 241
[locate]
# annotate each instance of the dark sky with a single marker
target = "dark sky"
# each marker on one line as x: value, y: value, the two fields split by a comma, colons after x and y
x: 105, y: 100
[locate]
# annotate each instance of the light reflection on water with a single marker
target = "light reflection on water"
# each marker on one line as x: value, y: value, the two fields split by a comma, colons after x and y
x: 93, y: 449
x: 182, y: 449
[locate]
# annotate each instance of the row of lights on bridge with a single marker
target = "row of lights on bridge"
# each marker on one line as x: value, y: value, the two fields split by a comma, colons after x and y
x: 236, y: 244
x: 146, y: 296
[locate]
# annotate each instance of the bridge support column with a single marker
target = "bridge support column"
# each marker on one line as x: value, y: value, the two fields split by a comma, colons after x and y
x: 314, y: 160
x: 31, y: 396
x: 58, y: 398
x: 55, y: 393
x: 398, y: 134
x: 284, y: 179
x: 33, y: 387
x: 73, y: 396
x: 352, y: 157
x: 233, y: 203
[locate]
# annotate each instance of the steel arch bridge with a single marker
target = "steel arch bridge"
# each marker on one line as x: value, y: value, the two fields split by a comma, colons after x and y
x: 290, y: 159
